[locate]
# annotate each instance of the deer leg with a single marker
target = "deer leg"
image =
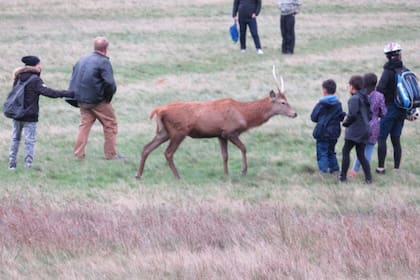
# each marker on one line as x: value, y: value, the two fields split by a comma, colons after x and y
x: 223, y: 146
x: 170, y: 151
x: 238, y: 143
x: 148, y: 148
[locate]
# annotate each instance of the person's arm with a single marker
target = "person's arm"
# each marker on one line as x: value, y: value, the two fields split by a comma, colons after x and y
x: 315, y: 113
x: 258, y: 8
x: 353, y: 105
x: 42, y: 89
x: 235, y: 9
x: 110, y: 86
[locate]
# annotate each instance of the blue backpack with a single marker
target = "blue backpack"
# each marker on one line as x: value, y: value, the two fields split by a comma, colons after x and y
x: 407, y: 95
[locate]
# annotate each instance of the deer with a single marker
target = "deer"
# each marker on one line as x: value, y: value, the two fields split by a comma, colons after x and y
x: 225, y: 119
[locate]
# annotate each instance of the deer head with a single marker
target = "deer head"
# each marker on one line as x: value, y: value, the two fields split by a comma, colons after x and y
x: 282, y: 106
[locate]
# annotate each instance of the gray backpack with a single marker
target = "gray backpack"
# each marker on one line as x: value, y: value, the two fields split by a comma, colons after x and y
x: 14, y: 106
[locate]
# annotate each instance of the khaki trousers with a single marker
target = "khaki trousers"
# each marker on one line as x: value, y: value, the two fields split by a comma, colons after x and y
x: 104, y: 112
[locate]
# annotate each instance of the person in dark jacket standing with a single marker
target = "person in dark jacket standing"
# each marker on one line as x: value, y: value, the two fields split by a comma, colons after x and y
x: 393, y: 122
x: 28, y: 122
x: 378, y: 110
x: 357, y: 128
x: 94, y: 86
x: 288, y: 10
x: 327, y: 113
x: 246, y: 11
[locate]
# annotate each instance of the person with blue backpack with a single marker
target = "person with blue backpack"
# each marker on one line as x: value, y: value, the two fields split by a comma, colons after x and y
x: 393, y: 122
x: 28, y: 121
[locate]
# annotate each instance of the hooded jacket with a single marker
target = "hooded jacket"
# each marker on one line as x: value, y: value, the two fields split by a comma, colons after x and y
x: 327, y: 113
x: 93, y: 80
x: 33, y: 90
x: 358, y: 116
x: 387, y: 83
x: 246, y: 8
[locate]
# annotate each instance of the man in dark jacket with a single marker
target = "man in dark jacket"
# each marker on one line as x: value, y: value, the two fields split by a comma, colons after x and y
x: 327, y: 113
x: 393, y: 122
x: 28, y: 122
x: 357, y: 128
x: 94, y: 86
x: 247, y: 11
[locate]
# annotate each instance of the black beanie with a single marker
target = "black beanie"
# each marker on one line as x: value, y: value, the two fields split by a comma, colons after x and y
x: 30, y: 60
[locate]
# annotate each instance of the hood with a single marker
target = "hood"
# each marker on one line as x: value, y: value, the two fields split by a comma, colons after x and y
x: 393, y: 64
x: 23, y: 73
x: 329, y: 100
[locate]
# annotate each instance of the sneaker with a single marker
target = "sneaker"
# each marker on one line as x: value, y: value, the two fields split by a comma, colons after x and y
x: 28, y: 165
x: 352, y: 173
x: 368, y: 181
x: 260, y: 51
x: 380, y: 170
x: 243, y: 50
x: 12, y: 166
x: 342, y: 179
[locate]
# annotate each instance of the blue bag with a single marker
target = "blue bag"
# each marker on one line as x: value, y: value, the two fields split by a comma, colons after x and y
x: 408, y: 93
x: 234, y: 35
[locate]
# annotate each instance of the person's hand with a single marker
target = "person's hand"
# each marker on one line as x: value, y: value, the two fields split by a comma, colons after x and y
x: 254, y: 15
x: 235, y: 19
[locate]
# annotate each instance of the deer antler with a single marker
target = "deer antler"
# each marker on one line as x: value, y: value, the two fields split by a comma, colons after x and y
x: 280, y: 85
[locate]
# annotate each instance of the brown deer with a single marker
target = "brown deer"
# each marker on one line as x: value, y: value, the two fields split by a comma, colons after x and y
x: 225, y: 119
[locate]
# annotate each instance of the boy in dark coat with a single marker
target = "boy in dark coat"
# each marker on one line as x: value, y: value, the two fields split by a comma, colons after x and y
x: 327, y: 113
x: 357, y: 128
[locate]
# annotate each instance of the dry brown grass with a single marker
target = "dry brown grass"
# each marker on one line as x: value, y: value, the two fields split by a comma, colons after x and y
x: 194, y: 240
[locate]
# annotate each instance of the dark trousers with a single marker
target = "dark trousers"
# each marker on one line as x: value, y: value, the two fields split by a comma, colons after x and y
x: 391, y: 124
x: 326, y: 156
x: 252, y: 23
x: 287, y: 28
x: 360, y: 152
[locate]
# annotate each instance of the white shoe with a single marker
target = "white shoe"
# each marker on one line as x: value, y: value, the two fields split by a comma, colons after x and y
x: 260, y: 51
x: 243, y: 50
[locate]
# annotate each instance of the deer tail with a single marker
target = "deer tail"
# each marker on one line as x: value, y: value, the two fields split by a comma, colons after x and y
x: 159, y: 123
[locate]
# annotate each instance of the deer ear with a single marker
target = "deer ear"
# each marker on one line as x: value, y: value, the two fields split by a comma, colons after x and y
x: 272, y: 94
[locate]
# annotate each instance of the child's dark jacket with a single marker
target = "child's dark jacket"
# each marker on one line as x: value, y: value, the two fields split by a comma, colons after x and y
x: 327, y: 113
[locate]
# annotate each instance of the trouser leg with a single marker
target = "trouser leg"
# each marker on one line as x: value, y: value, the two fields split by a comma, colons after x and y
x: 348, y: 145
x: 253, y: 28
x: 396, y: 144
x: 14, y: 144
x: 87, y: 119
x: 360, y: 151
x: 242, y: 33
x: 30, y: 140
x: 332, y: 157
x: 106, y: 115
x: 381, y: 152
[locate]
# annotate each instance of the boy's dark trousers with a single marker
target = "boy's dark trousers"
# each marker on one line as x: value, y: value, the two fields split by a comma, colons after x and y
x: 360, y: 152
x: 326, y: 156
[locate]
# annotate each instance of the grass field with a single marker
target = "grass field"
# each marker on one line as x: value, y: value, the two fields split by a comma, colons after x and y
x: 69, y: 219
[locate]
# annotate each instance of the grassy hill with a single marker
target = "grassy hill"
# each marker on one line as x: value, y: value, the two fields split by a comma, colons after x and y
x: 72, y: 219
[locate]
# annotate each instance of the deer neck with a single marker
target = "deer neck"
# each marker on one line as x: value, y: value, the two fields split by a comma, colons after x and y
x: 257, y: 112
